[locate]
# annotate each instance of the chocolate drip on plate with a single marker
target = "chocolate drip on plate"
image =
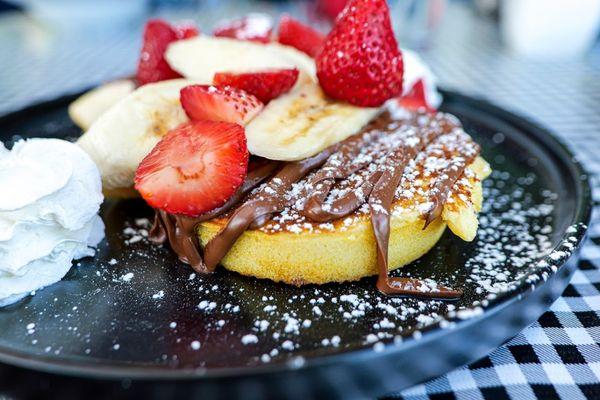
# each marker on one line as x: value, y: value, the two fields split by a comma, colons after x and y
x: 380, y: 202
x: 181, y: 230
x: 181, y: 233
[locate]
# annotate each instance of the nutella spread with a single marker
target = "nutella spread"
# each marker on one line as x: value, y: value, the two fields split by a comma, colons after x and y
x: 368, y: 170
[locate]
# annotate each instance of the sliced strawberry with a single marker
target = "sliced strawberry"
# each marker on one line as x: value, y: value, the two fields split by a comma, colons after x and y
x: 360, y: 61
x: 296, y: 34
x: 187, y: 30
x: 331, y: 8
x: 415, y: 99
x: 265, y: 85
x: 254, y: 27
x: 158, y: 34
x: 152, y: 66
x: 195, y: 168
x: 221, y: 103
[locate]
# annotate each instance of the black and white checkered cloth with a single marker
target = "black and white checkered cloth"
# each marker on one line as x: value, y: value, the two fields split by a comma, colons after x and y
x: 558, y: 356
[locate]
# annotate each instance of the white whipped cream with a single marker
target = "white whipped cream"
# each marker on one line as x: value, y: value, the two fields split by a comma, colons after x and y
x: 51, y: 194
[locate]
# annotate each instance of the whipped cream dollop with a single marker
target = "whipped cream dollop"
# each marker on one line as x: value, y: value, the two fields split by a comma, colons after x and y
x: 50, y: 194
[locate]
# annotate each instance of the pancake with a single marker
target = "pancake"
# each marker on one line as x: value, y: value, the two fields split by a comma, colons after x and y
x: 345, y: 250
x: 334, y: 255
x: 327, y: 218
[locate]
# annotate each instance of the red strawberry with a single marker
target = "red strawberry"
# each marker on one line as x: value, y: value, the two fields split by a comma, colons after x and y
x: 152, y: 66
x: 223, y: 103
x: 254, y: 27
x: 195, y: 168
x: 415, y: 98
x: 158, y: 34
x: 187, y: 30
x: 331, y: 8
x: 360, y: 61
x: 265, y: 85
x: 296, y: 34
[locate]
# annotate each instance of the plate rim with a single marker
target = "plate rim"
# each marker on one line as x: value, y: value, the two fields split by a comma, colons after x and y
x: 121, y: 370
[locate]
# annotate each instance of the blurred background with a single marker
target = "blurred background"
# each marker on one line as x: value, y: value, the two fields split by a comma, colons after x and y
x: 66, y: 45
x: 537, y: 57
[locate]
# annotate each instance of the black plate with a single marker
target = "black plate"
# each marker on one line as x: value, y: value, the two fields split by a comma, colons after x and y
x: 97, y: 323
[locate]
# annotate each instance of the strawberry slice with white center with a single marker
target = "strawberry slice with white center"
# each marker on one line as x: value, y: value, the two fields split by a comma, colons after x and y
x: 254, y: 27
x: 195, y: 168
x: 219, y: 103
x: 303, y: 37
x: 265, y: 85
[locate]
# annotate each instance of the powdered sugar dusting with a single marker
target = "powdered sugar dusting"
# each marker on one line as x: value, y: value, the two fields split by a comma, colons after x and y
x: 447, y: 147
x: 261, y: 322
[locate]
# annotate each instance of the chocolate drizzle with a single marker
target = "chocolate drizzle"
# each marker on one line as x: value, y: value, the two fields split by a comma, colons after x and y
x: 181, y: 230
x: 261, y: 205
x: 369, y: 166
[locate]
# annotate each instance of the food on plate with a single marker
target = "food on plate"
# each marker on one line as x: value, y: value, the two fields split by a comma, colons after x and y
x: 321, y: 231
x: 50, y: 217
x: 189, y: 58
x: 303, y: 122
x: 327, y: 218
x: 291, y: 155
x: 167, y: 178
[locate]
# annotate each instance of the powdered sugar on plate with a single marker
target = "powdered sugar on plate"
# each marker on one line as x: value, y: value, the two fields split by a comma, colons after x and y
x: 145, y: 292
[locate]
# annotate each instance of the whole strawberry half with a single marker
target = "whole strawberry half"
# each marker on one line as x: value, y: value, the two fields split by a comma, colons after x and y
x: 195, y: 168
x: 219, y: 103
x: 296, y: 34
x: 360, y: 61
x: 265, y: 85
x: 254, y: 27
x: 158, y: 34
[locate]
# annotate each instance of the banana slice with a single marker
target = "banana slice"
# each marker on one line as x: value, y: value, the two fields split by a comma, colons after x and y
x: 461, y: 213
x: 303, y: 122
x: 125, y: 134
x: 481, y: 168
x: 462, y: 221
x: 89, y: 106
x: 201, y: 57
